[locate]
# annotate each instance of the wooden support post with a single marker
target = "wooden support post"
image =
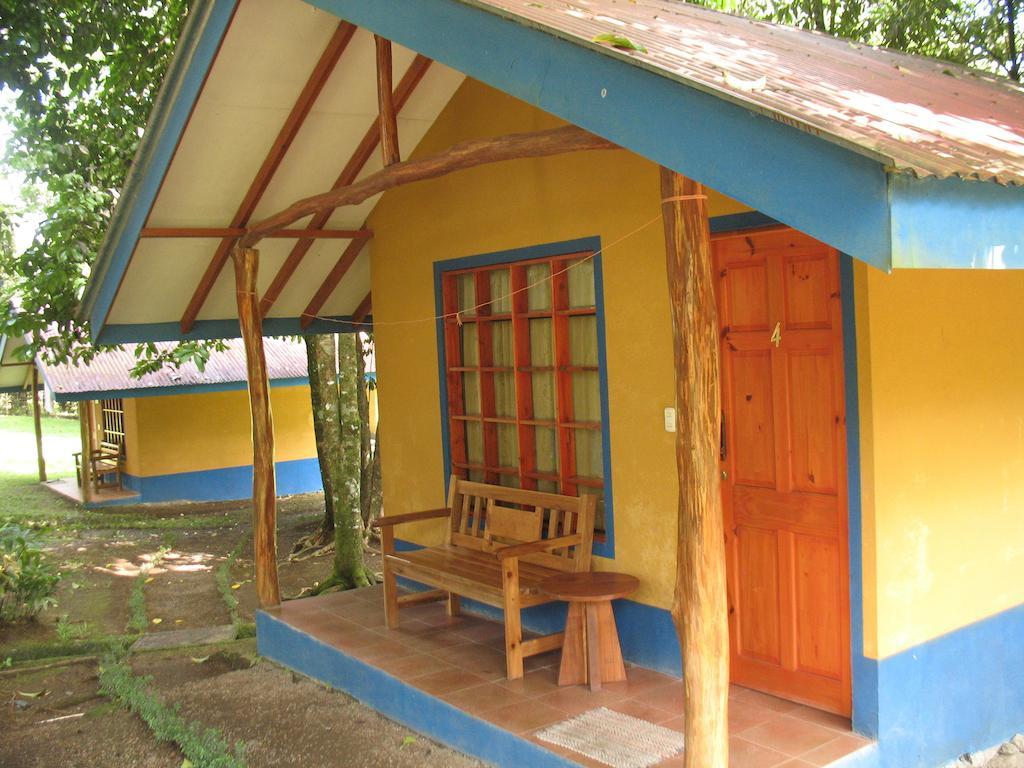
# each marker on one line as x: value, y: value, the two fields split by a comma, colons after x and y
x: 38, y: 420
x: 699, y: 609
x: 386, y: 103
x: 85, y: 419
x: 264, y: 494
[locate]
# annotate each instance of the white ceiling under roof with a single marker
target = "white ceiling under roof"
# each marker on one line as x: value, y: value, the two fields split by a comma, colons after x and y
x: 244, y: 103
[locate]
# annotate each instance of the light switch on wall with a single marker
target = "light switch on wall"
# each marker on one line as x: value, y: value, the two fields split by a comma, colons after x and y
x: 670, y: 419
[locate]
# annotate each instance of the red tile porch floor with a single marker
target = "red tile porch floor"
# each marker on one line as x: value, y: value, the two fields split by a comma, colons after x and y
x: 461, y: 661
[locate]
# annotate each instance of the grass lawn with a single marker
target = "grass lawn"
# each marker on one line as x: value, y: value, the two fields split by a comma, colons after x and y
x: 21, y: 497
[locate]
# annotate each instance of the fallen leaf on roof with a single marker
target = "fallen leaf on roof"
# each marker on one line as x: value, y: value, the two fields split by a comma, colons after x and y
x: 745, y: 85
x: 621, y: 42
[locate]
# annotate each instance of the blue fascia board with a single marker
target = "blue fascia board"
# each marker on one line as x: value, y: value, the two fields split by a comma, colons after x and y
x: 956, y: 223
x: 217, y: 329
x: 815, y: 186
x: 182, y: 389
x: 197, y: 48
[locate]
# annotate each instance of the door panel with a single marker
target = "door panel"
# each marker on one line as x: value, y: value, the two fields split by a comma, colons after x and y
x: 784, y: 486
x: 752, y: 417
x: 758, y: 591
x: 812, y: 418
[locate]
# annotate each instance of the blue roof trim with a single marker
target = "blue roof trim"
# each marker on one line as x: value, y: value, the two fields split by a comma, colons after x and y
x: 200, y: 39
x: 184, y: 389
x: 956, y: 223
x: 829, y: 192
x: 218, y: 329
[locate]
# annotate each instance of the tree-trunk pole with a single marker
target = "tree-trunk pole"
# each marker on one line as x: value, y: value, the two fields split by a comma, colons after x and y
x: 386, y: 103
x: 264, y: 494
x: 38, y: 420
x: 700, y: 605
x: 85, y: 418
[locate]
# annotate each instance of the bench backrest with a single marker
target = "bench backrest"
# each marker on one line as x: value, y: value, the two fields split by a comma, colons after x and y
x: 488, y: 517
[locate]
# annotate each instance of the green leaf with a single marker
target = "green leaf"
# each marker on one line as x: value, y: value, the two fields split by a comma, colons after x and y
x: 621, y: 42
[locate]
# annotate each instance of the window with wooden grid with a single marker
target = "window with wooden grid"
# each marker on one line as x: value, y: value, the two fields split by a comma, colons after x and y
x: 112, y: 412
x: 523, y: 375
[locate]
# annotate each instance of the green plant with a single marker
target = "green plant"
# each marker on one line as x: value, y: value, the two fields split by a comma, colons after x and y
x: 204, y: 748
x: 68, y: 631
x: 137, y: 619
x: 223, y: 579
x: 27, y: 580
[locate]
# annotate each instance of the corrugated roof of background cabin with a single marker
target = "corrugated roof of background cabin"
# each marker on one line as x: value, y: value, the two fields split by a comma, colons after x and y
x: 109, y: 371
x: 918, y: 115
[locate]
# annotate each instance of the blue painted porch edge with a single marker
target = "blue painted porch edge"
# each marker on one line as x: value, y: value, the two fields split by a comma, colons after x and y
x: 225, y: 484
x: 399, y: 701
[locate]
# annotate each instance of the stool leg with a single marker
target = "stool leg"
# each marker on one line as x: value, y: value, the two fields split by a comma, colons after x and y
x: 593, y: 648
x: 573, y: 670
x: 609, y: 651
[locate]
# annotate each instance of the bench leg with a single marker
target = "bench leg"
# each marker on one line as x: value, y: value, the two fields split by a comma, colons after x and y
x: 454, y: 604
x: 390, y: 598
x: 513, y: 621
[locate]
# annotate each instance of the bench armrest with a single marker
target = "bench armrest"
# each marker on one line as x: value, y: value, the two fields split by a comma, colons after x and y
x: 533, y: 547
x: 409, y: 517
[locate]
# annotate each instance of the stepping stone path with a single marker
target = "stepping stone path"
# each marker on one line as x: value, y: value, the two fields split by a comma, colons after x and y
x: 178, y: 638
x: 1008, y: 755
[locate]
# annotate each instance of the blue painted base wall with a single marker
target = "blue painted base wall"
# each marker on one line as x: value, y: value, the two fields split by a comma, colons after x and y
x: 227, y: 484
x: 299, y: 651
x: 958, y: 693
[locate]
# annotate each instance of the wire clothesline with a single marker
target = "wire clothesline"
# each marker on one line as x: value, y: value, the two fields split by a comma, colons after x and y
x: 457, y: 315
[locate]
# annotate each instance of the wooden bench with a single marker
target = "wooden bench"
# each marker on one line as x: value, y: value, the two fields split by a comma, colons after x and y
x: 104, y: 460
x: 501, y: 544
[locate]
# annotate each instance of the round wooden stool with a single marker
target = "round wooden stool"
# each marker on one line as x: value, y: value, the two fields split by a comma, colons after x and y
x: 590, y: 652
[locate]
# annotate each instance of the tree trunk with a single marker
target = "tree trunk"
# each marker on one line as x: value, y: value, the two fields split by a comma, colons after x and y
x: 349, y: 568
x: 376, y: 490
x: 38, y: 422
x: 700, y: 605
x: 323, y: 391
x: 339, y: 457
x: 365, y: 457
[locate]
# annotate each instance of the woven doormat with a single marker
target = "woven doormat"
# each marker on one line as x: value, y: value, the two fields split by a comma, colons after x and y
x: 615, y: 739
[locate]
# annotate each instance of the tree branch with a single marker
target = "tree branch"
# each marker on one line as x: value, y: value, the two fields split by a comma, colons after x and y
x: 467, y: 154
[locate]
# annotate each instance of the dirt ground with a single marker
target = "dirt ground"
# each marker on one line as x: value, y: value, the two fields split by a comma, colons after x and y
x: 284, y: 719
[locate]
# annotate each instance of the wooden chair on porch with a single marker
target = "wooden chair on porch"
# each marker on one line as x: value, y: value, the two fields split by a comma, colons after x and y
x: 502, y: 543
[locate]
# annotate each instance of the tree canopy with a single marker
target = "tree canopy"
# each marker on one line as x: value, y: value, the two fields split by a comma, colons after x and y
x: 84, y: 75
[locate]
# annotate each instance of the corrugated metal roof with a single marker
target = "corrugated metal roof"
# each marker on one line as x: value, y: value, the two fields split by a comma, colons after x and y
x: 926, y: 117
x: 110, y: 371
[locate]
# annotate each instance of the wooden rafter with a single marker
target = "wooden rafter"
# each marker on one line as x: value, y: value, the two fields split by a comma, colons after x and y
x: 364, y: 309
x: 330, y: 282
x: 236, y: 232
x: 303, y: 104
x: 466, y: 154
x: 413, y: 75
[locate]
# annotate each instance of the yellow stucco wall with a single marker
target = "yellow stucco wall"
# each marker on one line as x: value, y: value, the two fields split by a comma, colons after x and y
x: 940, y: 362
x: 186, y: 433
x: 514, y: 205
x: 941, y: 366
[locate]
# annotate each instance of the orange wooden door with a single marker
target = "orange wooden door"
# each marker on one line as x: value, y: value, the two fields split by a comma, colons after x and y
x: 784, y: 466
